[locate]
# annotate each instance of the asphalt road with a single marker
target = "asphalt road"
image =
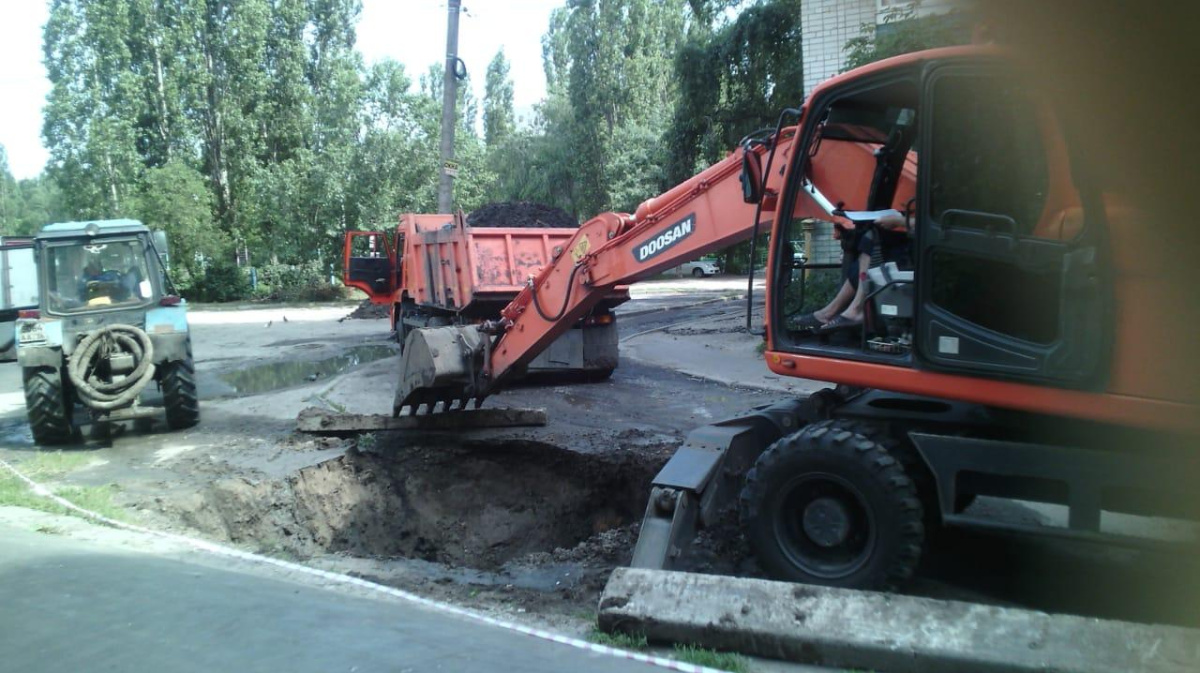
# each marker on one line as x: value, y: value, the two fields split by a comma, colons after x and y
x: 77, y: 606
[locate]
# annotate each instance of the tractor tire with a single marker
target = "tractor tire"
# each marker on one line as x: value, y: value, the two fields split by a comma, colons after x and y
x: 829, y: 505
x: 50, y: 412
x: 697, y: 273
x: 179, y: 393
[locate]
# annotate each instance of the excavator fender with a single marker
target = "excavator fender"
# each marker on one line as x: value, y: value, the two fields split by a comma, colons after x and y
x: 441, y: 364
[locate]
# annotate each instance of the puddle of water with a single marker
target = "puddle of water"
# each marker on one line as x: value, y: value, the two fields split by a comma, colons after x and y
x: 284, y: 374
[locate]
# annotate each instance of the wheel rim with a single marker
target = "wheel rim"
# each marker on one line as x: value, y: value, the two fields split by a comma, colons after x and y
x: 824, y: 526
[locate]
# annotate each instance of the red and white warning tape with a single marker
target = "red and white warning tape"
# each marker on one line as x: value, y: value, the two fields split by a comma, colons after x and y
x: 230, y: 552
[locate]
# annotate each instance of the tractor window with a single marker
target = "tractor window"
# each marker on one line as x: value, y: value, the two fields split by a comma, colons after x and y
x: 98, y: 275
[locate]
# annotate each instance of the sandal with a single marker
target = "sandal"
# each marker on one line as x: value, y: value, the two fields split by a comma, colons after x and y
x: 839, y: 322
x: 808, y: 321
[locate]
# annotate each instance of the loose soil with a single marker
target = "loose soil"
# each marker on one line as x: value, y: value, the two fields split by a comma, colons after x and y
x: 475, y: 504
x: 368, y: 311
x: 518, y: 522
x: 521, y: 214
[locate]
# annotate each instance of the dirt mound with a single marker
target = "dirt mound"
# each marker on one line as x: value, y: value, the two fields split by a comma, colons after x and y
x: 477, y: 505
x: 368, y: 311
x: 521, y: 214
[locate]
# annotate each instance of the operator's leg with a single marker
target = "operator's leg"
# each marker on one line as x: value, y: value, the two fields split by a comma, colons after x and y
x: 841, y: 299
x: 854, y: 311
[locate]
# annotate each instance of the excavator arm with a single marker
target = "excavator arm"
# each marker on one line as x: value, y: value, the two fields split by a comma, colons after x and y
x: 707, y: 212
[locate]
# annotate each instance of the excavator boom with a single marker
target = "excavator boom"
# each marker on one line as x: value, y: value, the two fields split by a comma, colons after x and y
x: 450, y: 365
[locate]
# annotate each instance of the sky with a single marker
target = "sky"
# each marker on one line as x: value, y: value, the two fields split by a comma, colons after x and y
x: 412, y: 32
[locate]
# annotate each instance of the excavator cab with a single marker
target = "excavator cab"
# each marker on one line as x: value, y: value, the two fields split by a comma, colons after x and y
x: 982, y: 280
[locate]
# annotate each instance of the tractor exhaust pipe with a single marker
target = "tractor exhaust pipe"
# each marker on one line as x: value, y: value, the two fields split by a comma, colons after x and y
x: 442, y: 364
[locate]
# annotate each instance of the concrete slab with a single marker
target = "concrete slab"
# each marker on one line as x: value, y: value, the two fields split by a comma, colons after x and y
x: 881, y: 632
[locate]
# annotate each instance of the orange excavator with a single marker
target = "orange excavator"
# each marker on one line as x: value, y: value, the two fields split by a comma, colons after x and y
x: 1016, y: 340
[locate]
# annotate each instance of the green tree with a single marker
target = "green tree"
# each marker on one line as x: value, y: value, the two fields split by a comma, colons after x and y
x: 27, y: 205
x: 610, y: 88
x: 175, y: 198
x: 498, y: 115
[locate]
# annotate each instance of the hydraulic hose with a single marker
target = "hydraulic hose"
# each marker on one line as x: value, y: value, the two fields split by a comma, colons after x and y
x: 99, y: 391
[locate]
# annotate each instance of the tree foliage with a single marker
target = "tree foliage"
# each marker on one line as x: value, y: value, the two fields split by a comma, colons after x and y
x: 498, y: 112
x: 252, y: 131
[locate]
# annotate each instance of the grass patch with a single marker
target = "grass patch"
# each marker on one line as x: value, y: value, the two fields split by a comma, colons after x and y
x: 691, y: 654
x: 622, y: 641
x: 52, y: 464
x: 46, y: 464
x: 701, y: 656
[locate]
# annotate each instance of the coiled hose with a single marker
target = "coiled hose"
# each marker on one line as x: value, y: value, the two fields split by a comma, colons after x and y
x: 101, y: 392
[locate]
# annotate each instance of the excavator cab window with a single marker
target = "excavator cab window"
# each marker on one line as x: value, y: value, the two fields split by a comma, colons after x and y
x: 861, y: 157
x: 1004, y: 289
x: 996, y: 272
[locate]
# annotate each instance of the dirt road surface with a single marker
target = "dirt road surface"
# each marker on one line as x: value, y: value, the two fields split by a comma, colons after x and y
x: 527, y: 522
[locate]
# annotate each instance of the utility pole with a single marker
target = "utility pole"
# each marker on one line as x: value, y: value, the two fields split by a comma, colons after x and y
x: 449, y: 102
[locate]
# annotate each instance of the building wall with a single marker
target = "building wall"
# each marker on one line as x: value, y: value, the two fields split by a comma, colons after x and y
x: 825, y: 27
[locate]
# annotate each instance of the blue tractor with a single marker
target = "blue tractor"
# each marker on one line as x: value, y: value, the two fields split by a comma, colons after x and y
x: 109, y: 322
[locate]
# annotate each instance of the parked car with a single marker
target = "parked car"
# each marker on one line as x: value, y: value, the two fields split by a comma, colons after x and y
x: 700, y: 268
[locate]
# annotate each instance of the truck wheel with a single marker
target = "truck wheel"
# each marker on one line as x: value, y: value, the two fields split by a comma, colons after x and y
x: 697, y: 273
x: 47, y: 406
x: 828, y: 505
x: 179, y: 393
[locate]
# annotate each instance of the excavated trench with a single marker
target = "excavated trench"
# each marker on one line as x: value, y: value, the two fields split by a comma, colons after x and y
x: 470, y: 504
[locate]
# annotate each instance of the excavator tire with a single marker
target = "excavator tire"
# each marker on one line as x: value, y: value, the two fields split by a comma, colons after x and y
x: 47, y: 407
x: 829, y: 505
x: 914, y: 467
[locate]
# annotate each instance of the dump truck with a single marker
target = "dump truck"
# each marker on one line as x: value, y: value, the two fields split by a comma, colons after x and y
x: 1016, y: 340
x: 107, y: 324
x: 438, y: 270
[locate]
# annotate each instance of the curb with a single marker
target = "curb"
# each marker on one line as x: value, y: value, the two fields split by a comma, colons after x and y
x: 881, y: 632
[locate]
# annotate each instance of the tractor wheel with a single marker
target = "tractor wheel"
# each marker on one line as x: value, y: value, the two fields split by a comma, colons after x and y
x: 828, y: 505
x: 47, y: 406
x: 179, y: 393
x: 697, y: 273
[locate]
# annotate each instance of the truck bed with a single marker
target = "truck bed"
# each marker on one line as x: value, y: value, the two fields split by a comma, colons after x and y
x: 476, y: 271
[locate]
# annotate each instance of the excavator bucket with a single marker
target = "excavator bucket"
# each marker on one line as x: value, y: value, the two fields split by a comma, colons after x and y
x: 441, y: 364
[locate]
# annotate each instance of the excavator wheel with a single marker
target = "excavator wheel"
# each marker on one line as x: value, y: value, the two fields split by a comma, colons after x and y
x: 829, y: 505
x: 914, y: 466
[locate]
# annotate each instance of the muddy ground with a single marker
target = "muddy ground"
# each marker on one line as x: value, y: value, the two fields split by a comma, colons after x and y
x: 527, y: 522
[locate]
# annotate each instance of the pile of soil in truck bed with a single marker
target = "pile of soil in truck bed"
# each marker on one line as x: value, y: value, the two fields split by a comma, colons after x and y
x: 521, y: 214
